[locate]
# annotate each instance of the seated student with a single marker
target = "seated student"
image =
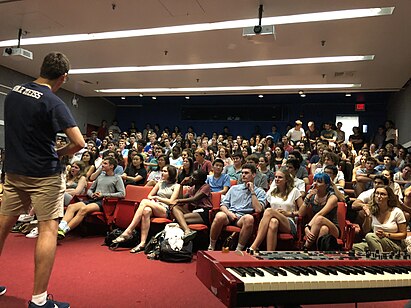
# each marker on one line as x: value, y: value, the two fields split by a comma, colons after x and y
x: 356, y: 214
x: 135, y: 173
x: 365, y: 176
x: 323, y: 202
x: 260, y: 179
x: 332, y: 172
x: 157, y: 204
x: 234, y: 171
x: 88, y: 159
x: 302, y: 172
x: 76, y: 182
x: 292, y: 166
x: 194, y: 207
x: 403, y: 177
x: 263, y: 168
x: 406, y: 207
x: 236, y: 208
x: 175, y: 159
x: 107, y: 184
x: 284, y: 200
x: 218, y: 181
x: 388, y: 165
x: 332, y: 159
x: 155, y: 176
x: 394, y: 186
x: 384, y: 224
x: 118, y: 170
x: 186, y: 171
x: 200, y: 161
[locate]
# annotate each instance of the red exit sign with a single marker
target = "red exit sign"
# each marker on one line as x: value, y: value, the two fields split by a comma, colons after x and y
x: 359, y: 107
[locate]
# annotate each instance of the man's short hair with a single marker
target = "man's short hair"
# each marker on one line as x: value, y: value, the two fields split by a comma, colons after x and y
x: 334, y: 157
x: 389, y: 156
x: 200, y: 151
x: 237, y: 154
x: 55, y: 64
x: 333, y: 168
x: 371, y: 159
x: 218, y: 160
x: 141, y: 142
x: 252, y: 157
x: 382, y: 178
x: 293, y: 161
x: 111, y: 161
x: 252, y: 167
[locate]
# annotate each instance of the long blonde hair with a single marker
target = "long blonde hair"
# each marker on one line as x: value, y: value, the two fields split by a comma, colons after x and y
x: 289, y: 185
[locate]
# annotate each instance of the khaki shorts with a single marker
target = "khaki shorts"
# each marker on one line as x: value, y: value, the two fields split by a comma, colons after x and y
x: 45, y: 194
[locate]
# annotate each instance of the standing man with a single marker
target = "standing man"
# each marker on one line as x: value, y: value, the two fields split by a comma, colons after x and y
x: 236, y: 208
x: 296, y: 133
x: 33, y: 115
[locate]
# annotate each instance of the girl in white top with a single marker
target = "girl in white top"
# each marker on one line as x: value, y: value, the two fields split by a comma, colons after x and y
x: 384, y: 222
x: 284, y: 200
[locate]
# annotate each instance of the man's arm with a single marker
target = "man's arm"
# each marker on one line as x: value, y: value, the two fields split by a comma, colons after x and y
x: 76, y: 142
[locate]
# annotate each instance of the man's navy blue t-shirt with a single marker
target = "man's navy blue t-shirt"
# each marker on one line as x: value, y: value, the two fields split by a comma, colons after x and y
x: 33, y: 115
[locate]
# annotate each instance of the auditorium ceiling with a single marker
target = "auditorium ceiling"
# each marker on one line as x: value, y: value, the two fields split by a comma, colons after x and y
x: 317, y: 45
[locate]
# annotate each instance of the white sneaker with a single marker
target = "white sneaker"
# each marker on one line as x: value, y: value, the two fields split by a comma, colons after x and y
x: 34, y: 233
x: 25, y: 218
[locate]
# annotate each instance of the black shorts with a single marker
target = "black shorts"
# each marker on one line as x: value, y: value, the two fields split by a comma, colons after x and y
x: 99, y: 202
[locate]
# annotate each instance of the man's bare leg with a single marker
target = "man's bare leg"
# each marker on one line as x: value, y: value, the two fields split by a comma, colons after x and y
x: 44, y: 255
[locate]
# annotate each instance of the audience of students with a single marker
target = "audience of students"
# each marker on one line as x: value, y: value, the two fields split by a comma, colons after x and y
x: 219, y: 160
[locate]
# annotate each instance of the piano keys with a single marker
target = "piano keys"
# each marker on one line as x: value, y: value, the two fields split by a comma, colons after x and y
x: 304, y: 278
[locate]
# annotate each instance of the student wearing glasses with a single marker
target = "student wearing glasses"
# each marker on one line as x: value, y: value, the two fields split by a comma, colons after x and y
x: 384, y: 223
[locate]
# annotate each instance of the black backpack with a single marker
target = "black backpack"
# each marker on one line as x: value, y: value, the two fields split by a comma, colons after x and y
x: 130, y: 243
x: 327, y: 242
x: 168, y: 254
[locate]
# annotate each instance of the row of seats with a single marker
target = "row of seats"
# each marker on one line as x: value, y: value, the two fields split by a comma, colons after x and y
x: 118, y: 213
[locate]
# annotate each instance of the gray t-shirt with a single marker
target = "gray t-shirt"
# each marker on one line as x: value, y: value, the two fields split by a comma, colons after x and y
x: 109, y: 186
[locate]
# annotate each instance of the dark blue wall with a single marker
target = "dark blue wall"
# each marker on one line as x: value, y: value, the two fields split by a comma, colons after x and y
x: 167, y: 111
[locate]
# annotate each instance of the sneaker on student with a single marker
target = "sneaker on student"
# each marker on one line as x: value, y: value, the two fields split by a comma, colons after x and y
x: 61, y: 235
x: 25, y: 218
x: 34, y: 233
x: 50, y: 303
x: 2, y: 290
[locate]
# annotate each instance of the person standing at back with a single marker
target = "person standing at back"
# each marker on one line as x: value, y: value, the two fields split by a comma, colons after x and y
x: 33, y: 115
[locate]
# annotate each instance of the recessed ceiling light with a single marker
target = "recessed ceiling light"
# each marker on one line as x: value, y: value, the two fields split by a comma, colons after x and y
x: 260, y: 96
x: 231, y: 24
x: 300, y: 92
x: 303, y: 95
x: 141, y: 95
x: 187, y: 97
x: 123, y: 97
x: 153, y: 97
x: 203, y: 66
x: 348, y: 94
x: 233, y: 88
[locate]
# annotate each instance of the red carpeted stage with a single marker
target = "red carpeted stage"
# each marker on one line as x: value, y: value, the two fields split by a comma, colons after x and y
x: 87, y: 274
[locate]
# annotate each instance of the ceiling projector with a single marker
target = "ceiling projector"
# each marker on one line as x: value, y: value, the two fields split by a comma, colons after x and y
x: 18, y: 53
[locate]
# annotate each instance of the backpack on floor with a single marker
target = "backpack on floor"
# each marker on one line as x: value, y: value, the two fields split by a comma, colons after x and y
x: 168, y: 254
x: 130, y: 243
x: 152, y: 249
x: 327, y: 242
